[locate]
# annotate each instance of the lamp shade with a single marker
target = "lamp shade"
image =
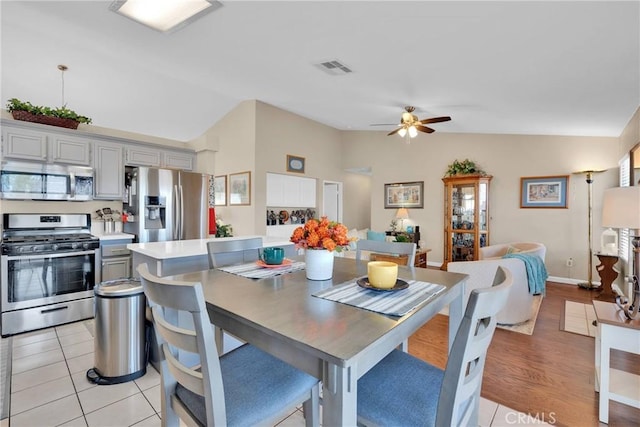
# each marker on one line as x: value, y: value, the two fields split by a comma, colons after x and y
x: 402, y: 213
x: 621, y: 207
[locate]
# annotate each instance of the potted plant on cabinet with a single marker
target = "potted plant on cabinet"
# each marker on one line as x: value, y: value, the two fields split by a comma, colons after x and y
x: 60, y: 116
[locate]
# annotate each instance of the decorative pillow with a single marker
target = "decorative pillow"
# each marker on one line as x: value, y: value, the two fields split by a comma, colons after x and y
x: 512, y: 250
x: 362, y: 234
x: 372, y: 235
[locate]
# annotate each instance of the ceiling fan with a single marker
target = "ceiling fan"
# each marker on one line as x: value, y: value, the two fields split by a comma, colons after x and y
x: 409, y: 123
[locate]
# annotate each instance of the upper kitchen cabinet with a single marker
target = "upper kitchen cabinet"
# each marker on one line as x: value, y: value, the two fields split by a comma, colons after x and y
x: 176, y: 160
x: 26, y: 144
x: 151, y: 157
x: 109, y: 170
x: 142, y: 156
x: 67, y: 149
x: 290, y: 191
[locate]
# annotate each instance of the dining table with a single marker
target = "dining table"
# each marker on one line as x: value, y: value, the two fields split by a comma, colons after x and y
x: 333, y: 341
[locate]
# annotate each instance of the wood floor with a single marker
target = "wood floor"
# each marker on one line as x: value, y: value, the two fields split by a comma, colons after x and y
x: 548, y: 375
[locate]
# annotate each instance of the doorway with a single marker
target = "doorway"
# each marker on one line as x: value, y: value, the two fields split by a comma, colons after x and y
x: 332, y: 200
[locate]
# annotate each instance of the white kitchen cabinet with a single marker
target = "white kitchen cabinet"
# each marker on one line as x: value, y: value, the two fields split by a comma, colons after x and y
x: 67, y: 149
x: 143, y: 156
x: 50, y: 147
x: 151, y: 157
x: 24, y: 144
x: 116, y: 259
x: 176, y: 160
x: 109, y: 170
x: 290, y: 191
x: 116, y: 268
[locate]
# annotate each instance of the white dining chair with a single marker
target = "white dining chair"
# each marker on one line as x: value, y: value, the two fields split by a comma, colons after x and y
x: 402, y: 390
x: 244, y: 387
x: 227, y: 252
x: 392, y: 248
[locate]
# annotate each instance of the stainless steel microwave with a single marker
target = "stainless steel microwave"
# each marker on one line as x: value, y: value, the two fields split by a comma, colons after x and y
x: 38, y: 181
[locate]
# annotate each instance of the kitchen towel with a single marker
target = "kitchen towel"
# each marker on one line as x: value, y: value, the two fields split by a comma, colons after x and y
x: 252, y: 270
x: 394, y: 303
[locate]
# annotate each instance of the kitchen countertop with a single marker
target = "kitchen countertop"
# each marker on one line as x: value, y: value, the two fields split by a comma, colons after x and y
x: 115, y: 236
x: 193, y: 247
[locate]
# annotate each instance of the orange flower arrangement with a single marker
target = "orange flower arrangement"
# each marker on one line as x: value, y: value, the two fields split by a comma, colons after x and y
x: 323, y: 234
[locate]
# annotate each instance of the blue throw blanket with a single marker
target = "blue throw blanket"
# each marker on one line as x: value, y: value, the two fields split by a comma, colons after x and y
x: 536, y: 271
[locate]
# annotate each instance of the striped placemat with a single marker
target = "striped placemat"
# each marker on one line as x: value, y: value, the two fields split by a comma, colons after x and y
x: 396, y: 303
x: 252, y: 270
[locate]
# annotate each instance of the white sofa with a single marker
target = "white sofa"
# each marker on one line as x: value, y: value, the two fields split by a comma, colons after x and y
x: 520, y: 302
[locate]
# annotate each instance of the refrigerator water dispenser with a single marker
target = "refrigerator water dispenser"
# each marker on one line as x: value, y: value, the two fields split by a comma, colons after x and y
x: 155, y: 212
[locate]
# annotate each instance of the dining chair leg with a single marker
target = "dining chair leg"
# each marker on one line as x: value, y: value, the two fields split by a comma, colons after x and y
x: 219, y: 337
x: 311, y: 408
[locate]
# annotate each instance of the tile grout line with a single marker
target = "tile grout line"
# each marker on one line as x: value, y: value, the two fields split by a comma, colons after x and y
x: 6, y: 354
x: 84, y: 416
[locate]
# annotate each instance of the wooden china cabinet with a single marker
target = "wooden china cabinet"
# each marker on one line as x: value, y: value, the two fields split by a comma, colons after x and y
x: 466, y: 216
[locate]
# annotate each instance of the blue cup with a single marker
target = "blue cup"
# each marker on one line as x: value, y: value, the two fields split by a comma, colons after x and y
x: 272, y: 256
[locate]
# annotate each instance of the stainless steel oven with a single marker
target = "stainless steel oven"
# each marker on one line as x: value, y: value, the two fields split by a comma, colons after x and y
x: 49, y: 267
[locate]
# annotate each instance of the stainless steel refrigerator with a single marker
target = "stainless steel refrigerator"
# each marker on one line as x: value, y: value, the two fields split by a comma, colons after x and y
x: 166, y: 204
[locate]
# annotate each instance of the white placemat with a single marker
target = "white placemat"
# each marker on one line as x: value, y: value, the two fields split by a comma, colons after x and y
x: 395, y: 303
x: 252, y: 270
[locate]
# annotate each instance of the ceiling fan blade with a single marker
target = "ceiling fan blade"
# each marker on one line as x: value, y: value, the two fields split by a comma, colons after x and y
x: 393, y: 132
x: 435, y: 120
x: 424, y: 129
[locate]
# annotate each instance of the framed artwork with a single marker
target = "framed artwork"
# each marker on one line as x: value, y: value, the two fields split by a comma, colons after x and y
x: 544, y: 191
x: 404, y: 195
x: 240, y: 188
x: 220, y: 190
x: 295, y: 164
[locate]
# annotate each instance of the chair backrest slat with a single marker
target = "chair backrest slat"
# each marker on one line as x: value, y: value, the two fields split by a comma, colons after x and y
x: 460, y: 393
x: 397, y: 248
x: 167, y: 298
x: 227, y: 252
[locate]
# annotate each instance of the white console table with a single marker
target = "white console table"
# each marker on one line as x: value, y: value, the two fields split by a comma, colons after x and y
x: 615, y: 331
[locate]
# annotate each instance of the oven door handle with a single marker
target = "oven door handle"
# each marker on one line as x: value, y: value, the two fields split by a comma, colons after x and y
x: 56, y: 255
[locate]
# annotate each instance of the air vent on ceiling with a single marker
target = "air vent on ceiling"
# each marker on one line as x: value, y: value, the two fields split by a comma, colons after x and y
x: 335, y: 68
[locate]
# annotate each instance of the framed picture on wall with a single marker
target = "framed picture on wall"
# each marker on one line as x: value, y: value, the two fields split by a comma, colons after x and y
x: 404, y: 195
x: 544, y: 191
x: 295, y: 164
x: 240, y: 188
x: 220, y: 190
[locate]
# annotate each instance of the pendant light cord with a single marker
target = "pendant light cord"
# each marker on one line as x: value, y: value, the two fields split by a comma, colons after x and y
x: 62, y: 69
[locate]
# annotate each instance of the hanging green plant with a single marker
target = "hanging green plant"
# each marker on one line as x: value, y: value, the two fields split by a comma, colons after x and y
x: 465, y: 167
x: 34, y: 113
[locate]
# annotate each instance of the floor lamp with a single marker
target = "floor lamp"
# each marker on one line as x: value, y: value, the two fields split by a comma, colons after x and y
x: 589, y: 178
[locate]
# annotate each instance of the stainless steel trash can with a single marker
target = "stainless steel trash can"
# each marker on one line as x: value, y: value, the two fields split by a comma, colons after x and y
x: 120, y: 333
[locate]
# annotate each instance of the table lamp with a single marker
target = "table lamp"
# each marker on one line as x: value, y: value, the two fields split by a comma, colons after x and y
x: 402, y: 214
x: 621, y: 209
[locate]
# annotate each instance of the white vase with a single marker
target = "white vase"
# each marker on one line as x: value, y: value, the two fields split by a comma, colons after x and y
x: 318, y: 264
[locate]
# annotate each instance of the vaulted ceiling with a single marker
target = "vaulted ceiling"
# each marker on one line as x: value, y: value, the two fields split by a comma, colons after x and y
x: 554, y: 68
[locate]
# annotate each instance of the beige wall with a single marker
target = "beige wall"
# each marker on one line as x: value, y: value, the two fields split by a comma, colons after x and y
x: 357, y: 201
x: 507, y: 158
x: 232, y: 140
x: 257, y: 137
x: 279, y: 133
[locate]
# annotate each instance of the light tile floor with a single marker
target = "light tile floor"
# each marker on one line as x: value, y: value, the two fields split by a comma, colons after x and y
x: 49, y: 388
x: 579, y: 317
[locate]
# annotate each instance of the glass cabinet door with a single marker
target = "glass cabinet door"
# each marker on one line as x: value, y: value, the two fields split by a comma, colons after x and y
x: 466, y: 217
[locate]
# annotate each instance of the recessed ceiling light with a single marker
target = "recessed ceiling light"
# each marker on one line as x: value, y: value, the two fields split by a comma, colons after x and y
x: 164, y: 15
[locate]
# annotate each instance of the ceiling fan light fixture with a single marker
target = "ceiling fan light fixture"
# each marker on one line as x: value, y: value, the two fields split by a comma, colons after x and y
x: 402, y: 132
x: 164, y: 15
x: 413, y: 132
